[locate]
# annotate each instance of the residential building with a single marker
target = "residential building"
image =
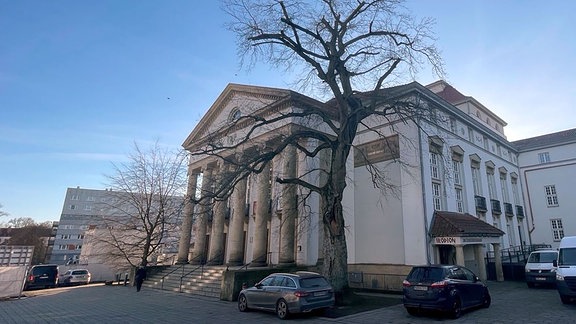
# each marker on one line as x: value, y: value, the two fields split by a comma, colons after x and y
x: 89, y: 211
x: 548, y: 171
x: 454, y: 176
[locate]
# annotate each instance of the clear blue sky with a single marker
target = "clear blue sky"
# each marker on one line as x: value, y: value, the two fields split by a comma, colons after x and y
x: 81, y: 81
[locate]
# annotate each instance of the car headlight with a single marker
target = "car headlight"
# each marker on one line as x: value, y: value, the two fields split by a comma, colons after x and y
x: 526, y: 270
x: 559, y: 277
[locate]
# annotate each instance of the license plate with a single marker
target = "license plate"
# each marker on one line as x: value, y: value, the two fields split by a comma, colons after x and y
x: 320, y: 293
x: 423, y: 288
x: 540, y: 278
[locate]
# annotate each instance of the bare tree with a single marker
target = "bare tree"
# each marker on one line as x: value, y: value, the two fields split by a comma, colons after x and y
x: 352, y: 50
x: 144, y: 206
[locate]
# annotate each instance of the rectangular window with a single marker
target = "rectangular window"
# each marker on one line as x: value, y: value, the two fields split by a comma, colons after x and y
x: 470, y: 134
x: 457, y: 172
x: 72, y: 207
x: 476, y: 180
x: 515, y: 191
x: 437, y: 195
x: 544, y: 157
x: 90, y: 198
x: 88, y: 207
x: 434, y: 165
x: 491, y: 184
x: 551, y: 196
x: 485, y: 141
x: 74, y: 197
x: 504, y: 188
x: 557, y: 229
x: 459, y: 200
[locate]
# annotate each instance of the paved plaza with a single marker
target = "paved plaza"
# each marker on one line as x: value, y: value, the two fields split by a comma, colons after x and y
x: 512, y: 302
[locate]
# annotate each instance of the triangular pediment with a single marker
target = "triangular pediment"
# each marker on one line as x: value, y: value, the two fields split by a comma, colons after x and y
x: 235, y: 100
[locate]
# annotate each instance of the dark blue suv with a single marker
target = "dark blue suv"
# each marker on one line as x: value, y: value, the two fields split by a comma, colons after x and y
x: 446, y: 288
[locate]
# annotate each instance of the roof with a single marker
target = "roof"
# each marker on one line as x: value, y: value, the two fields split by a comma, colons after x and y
x: 456, y: 224
x: 547, y: 140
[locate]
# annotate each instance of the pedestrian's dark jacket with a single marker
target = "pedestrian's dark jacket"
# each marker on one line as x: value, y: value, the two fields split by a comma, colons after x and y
x: 140, y: 274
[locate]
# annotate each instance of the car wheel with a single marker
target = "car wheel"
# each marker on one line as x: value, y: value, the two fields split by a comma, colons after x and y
x: 565, y: 299
x: 530, y: 284
x: 243, y: 304
x: 456, y: 311
x: 487, y: 300
x: 412, y: 311
x: 282, y: 309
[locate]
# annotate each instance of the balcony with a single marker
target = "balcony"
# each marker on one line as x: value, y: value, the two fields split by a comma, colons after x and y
x: 480, y: 203
x: 508, y: 210
x: 519, y: 211
x: 496, y: 207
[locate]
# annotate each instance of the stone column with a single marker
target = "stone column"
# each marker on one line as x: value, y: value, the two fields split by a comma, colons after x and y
x: 185, y: 234
x: 259, y: 252
x: 199, y: 253
x: 236, y: 228
x: 216, y: 253
x: 498, y: 262
x: 460, y: 255
x: 289, y: 209
x: 479, y: 256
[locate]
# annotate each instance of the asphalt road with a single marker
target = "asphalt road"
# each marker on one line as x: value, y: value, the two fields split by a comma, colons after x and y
x: 512, y: 302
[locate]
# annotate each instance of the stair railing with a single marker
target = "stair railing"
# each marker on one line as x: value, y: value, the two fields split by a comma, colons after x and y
x: 201, y: 267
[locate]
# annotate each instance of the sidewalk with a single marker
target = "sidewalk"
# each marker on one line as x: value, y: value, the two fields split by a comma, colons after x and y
x: 511, y: 302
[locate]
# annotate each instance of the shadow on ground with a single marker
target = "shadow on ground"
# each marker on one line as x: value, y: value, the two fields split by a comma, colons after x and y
x: 359, y: 302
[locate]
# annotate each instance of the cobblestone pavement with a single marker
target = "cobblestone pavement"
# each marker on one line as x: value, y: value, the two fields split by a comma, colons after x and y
x: 512, y: 302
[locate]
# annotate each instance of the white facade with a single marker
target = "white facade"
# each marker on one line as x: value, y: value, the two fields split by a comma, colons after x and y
x: 388, y: 228
x: 548, y: 171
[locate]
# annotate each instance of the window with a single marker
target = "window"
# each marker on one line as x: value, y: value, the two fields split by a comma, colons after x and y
x: 491, y: 183
x: 544, y: 157
x: 470, y: 134
x: 459, y: 200
x: 510, y: 230
x: 72, y: 207
x: 504, y: 188
x: 458, y: 188
x: 557, y: 229
x: 88, y: 207
x: 476, y: 179
x: 436, y: 196
x: 515, y: 190
x: 74, y: 197
x: 90, y: 198
x: 485, y: 142
x: 434, y: 166
x: 551, y: 196
x: 457, y: 172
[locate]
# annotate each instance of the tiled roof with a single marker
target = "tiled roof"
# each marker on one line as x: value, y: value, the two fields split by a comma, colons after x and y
x: 451, y: 95
x: 456, y: 224
x: 546, y: 140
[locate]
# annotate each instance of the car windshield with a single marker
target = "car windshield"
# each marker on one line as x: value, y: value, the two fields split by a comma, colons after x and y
x: 567, y: 256
x: 542, y: 257
x: 314, y: 282
x: 426, y: 274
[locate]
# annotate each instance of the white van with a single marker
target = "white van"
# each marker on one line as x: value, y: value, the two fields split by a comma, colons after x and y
x: 540, y: 267
x: 566, y: 271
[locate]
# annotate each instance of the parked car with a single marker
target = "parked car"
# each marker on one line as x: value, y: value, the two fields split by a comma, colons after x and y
x: 287, y: 293
x: 446, y: 288
x: 539, y: 268
x: 42, y: 276
x: 75, y: 277
x: 566, y: 272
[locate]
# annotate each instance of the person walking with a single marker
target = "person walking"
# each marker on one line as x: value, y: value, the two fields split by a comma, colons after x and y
x: 139, y: 277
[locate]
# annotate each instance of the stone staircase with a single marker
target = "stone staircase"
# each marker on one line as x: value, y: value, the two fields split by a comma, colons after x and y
x: 191, y: 279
